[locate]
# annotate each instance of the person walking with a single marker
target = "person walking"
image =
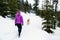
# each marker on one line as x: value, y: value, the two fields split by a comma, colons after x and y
x: 19, y: 21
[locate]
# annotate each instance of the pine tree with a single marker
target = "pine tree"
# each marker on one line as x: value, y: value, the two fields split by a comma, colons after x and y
x: 55, y: 12
x: 27, y: 7
x: 21, y: 4
x: 3, y: 8
x: 58, y: 19
x: 13, y: 7
x: 48, y: 16
x: 8, y: 7
x: 35, y: 8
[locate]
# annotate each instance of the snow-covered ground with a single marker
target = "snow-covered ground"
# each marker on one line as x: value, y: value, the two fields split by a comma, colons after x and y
x: 33, y: 31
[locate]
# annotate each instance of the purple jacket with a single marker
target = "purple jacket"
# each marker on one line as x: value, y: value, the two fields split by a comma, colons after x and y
x: 18, y: 18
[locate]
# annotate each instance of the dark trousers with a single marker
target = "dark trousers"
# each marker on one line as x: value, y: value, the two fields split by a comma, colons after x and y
x: 19, y: 28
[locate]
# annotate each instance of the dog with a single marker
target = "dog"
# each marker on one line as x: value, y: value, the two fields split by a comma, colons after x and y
x: 28, y: 21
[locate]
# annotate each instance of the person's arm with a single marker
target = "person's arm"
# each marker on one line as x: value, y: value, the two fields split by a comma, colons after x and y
x: 15, y: 20
x: 22, y: 22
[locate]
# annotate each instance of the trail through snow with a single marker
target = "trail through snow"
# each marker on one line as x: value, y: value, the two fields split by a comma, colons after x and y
x: 33, y: 31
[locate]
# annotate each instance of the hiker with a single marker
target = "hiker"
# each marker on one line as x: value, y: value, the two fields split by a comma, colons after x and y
x: 19, y: 21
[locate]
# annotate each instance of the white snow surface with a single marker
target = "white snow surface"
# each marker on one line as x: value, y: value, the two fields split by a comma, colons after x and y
x: 33, y: 31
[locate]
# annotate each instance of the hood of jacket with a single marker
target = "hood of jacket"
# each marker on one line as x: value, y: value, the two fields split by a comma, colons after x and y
x: 18, y: 14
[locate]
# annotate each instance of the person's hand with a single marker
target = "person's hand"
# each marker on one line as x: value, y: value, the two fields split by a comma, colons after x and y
x: 15, y: 24
x: 21, y: 24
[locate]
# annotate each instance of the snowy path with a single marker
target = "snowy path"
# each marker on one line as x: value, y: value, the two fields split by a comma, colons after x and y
x: 8, y: 31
